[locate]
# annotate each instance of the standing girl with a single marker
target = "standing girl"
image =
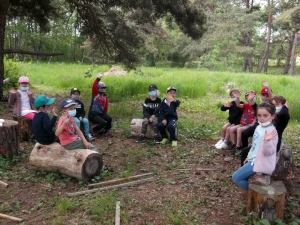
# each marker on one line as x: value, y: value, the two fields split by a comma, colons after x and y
x: 262, y: 155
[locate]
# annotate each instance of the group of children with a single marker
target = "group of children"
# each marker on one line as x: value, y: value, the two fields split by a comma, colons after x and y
x: 265, y: 122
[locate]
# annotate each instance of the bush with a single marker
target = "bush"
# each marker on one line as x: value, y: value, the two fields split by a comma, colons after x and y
x: 12, y: 70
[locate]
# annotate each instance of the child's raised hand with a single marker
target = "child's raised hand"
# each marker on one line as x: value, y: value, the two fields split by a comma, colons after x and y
x: 228, y: 104
x: 286, y: 104
x: 29, y: 92
x: 251, y: 95
x: 54, y: 111
x: 271, y: 135
x: 100, y: 75
x: 265, y: 84
x: 13, y: 90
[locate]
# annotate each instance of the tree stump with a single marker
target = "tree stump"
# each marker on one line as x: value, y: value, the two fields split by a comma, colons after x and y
x: 284, y: 163
x: 266, y: 201
x: 9, y: 138
x: 25, y: 126
x: 136, y: 128
x: 82, y: 164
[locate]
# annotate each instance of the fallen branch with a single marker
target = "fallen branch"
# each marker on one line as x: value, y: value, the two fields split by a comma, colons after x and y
x: 117, y: 218
x: 4, y: 216
x: 111, y: 187
x: 118, y: 180
x: 3, y: 184
x: 199, y: 169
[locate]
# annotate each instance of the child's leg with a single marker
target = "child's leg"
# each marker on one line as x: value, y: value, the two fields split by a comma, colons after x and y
x: 101, y: 123
x: 224, y: 128
x: 108, y: 120
x: 86, y: 127
x: 162, y: 129
x: 154, y: 124
x: 246, y: 134
x: 29, y: 115
x: 239, y: 135
x: 233, y: 133
x: 241, y: 176
x: 78, y: 144
x: 144, y: 126
x: 227, y: 133
x: 77, y: 121
x: 244, y: 154
x: 171, y: 127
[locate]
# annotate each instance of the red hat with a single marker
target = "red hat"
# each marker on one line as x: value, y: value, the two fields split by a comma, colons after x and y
x: 265, y: 91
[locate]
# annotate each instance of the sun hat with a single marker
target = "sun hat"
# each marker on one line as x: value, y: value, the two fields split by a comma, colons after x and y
x: 152, y: 87
x: 170, y: 88
x: 67, y: 102
x: 73, y: 90
x: 23, y: 79
x: 265, y: 91
x: 42, y: 100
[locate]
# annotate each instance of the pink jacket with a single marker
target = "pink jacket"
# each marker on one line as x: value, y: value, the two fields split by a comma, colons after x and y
x: 15, y: 99
x: 265, y: 160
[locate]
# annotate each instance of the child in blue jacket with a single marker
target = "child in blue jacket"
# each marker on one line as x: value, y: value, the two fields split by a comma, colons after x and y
x: 168, y: 116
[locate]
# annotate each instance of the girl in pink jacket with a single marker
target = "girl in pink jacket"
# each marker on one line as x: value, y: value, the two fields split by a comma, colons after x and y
x: 262, y: 155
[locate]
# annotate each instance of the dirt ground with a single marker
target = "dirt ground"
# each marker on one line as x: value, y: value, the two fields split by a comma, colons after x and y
x: 191, y: 183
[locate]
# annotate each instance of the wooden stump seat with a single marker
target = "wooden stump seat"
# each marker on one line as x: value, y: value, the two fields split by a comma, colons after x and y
x: 25, y: 126
x: 82, y: 164
x: 136, y: 128
x: 9, y: 138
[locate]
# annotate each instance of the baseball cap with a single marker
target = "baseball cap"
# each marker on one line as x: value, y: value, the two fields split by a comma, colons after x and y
x: 74, y: 90
x: 152, y: 87
x: 67, y: 102
x: 43, y: 100
x: 265, y: 91
x: 171, y: 88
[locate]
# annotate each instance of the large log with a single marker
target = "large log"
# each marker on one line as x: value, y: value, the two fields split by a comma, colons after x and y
x: 9, y: 138
x: 266, y: 201
x: 284, y: 165
x: 82, y: 164
x: 25, y: 126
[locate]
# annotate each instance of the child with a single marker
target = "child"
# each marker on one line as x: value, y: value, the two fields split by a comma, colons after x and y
x: 41, y: 123
x: 80, y: 114
x: 168, y: 116
x: 99, y: 107
x: 150, y: 112
x: 67, y: 129
x: 235, y: 114
x: 247, y: 119
x: 262, y: 156
x: 23, y: 99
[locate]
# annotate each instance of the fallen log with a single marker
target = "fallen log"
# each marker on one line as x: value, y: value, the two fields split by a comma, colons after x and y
x: 111, y: 187
x: 117, y: 180
x: 117, y: 217
x: 12, y: 218
x: 82, y: 164
x: 3, y: 184
x: 9, y: 138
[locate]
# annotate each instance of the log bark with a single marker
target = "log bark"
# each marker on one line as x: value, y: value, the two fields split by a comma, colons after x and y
x: 25, y: 126
x: 12, y: 218
x: 9, y: 138
x: 82, y: 164
x: 266, y: 201
x: 284, y: 164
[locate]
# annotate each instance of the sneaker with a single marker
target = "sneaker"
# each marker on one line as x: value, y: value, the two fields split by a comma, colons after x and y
x: 140, y: 139
x: 174, y: 143
x: 223, y: 145
x: 156, y: 139
x: 164, y: 141
x: 260, y: 179
x: 219, y: 142
x: 94, y: 134
x: 231, y: 147
x: 89, y: 137
x: 109, y: 134
x: 235, y: 150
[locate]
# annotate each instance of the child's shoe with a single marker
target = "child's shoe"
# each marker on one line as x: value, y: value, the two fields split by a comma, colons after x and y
x: 219, y: 142
x: 164, y: 141
x: 109, y: 134
x: 89, y: 137
x: 174, y: 143
x: 140, y: 139
x: 156, y: 139
x: 223, y: 145
x: 94, y: 133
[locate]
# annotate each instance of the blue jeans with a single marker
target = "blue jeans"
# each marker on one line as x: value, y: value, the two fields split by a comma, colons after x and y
x: 86, y: 126
x: 241, y: 176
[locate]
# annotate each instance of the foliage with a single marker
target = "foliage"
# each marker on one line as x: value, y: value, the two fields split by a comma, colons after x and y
x: 12, y: 70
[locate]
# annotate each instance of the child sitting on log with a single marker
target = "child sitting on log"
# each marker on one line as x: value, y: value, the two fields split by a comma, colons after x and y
x: 261, y: 158
x: 150, y: 112
x: 69, y: 134
x: 22, y: 99
x: 41, y: 123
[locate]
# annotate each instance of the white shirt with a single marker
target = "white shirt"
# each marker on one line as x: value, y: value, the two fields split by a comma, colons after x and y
x: 25, y: 103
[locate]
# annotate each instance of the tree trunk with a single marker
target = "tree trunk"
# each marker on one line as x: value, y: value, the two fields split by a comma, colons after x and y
x: 294, y: 54
x: 25, y: 127
x: 9, y: 138
x: 284, y: 165
x: 266, y: 53
x: 82, y: 164
x: 4, y: 6
x: 288, y: 57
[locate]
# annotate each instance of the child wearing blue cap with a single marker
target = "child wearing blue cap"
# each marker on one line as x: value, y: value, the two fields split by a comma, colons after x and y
x: 69, y: 134
x: 41, y: 123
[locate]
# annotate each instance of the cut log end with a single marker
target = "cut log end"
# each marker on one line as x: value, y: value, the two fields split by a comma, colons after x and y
x: 92, y: 166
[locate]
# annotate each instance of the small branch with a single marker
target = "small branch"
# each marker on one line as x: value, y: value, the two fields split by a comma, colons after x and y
x: 198, y: 169
x: 118, y: 180
x: 117, y: 218
x: 3, y: 184
x: 111, y: 187
x: 4, y: 216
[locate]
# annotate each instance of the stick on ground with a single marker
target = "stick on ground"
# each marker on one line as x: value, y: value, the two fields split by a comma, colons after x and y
x: 118, y: 180
x: 3, y: 184
x: 111, y: 187
x: 4, y: 216
x: 117, y: 218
